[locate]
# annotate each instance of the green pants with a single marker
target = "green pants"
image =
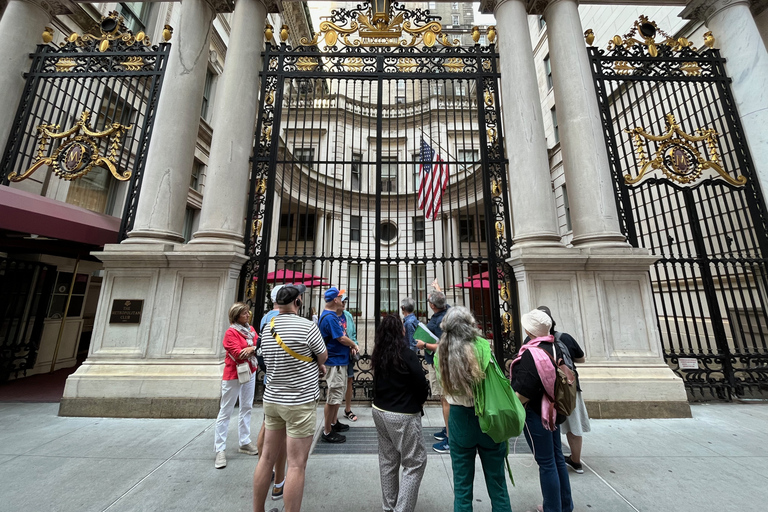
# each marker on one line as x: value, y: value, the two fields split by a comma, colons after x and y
x: 466, y: 440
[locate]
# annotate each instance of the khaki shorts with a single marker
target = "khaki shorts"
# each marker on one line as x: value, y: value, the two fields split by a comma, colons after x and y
x: 336, y: 379
x: 434, y: 382
x: 297, y: 420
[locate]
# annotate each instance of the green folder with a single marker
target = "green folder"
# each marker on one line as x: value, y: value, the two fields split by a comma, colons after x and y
x: 425, y: 335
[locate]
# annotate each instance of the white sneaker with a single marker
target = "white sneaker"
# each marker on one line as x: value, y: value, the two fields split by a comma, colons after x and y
x: 249, y: 448
x: 221, y: 460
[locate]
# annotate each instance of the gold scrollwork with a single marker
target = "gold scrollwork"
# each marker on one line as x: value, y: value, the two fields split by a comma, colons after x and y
x: 64, y: 64
x: 261, y: 189
x: 506, y: 322
x: 492, y: 135
x: 113, y: 28
x: 250, y: 290
x: 504, y: 292
x: 406, y: 64
x: 354, y: 64
x: 306, y: 63
x: 134, y: 63
x: 78, y: 153
x: 488, y: 98
x: 380, y: 29
x: 677, y: 155
x: 643, y: 33
x: 495, y: 188
x: 454, y: 64
x: 499, y: 230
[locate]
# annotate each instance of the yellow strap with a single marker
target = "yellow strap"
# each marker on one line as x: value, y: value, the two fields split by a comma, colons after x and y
x: 284, y: 346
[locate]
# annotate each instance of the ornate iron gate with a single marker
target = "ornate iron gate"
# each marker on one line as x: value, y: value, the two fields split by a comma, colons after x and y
x: 88, y: 106
x: 687, y: 191
x: 347, y: 136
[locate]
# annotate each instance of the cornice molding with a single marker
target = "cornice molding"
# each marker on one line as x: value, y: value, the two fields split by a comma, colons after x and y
x: 703, y: 10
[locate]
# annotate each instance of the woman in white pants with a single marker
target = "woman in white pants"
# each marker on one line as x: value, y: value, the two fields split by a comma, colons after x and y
x: 240, y: 344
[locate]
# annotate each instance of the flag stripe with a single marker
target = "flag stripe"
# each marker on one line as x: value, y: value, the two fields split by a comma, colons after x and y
x: 434, y: 176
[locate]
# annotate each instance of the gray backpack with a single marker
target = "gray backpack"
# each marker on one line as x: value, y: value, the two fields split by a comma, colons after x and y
x: 564, y: 352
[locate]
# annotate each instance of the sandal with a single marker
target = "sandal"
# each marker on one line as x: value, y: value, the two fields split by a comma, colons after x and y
x: 350, y: 415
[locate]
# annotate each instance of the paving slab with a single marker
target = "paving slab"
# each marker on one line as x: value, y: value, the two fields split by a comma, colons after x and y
x: 24, y: 427
x: 125, y: 438
x: 683, y: 484
x: 68, y: 484
x: 193, y: 485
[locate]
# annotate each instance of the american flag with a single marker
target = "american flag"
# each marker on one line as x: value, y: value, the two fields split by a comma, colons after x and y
x: 434, y: 180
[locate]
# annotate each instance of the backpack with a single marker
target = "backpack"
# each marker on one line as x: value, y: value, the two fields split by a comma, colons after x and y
x: 566, y: 354
x: 565, y: 383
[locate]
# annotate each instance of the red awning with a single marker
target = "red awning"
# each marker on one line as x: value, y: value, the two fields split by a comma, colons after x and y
x: 30, y: 213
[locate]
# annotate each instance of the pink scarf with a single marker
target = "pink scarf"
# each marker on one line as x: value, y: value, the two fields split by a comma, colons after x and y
x: 547, y: 374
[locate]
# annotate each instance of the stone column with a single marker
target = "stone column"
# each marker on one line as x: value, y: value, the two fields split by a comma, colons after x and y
x: 533, y: 204
x: 224, y: 203
x: 594, y: 215
x: 739, y: 40
x: 160, y: 211
x: 21, y: 25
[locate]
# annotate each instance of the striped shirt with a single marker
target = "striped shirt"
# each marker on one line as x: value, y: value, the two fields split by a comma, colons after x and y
x: 290, y: 381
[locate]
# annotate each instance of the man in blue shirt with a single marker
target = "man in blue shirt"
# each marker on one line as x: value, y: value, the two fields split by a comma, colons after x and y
x: 439, y: 307
x: 410, y: 322
x: 340, y: 346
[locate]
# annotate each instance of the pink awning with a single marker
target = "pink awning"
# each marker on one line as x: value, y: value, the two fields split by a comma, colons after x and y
x: 30, y: 213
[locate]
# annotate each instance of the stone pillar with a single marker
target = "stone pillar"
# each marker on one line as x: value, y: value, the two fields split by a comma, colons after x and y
x: 21, y: 25
x: 224, y: 203
x: 534, y: 220
x: 165, y: 186
x: 594, y: 215
x: 739, y: 40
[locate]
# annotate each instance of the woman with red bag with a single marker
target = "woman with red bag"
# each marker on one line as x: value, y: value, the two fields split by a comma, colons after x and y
x: 240, y: 345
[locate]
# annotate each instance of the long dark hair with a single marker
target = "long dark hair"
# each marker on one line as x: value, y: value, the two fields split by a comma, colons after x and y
x: 388, y: 346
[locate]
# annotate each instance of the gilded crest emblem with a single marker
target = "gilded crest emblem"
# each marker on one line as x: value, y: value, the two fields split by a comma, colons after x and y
x: 79, y: 151
x: 676, y: 154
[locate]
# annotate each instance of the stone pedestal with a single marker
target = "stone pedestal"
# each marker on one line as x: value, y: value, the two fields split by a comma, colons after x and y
x: 170, y: 364
x: 603, y: 297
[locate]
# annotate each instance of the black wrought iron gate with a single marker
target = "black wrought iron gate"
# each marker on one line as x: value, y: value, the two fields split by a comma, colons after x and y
x: 88, y: 106
x: 347, y: 136
x: 686, y: 190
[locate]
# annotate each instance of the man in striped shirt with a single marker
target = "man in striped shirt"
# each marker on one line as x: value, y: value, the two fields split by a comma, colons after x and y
x: 294, y: 353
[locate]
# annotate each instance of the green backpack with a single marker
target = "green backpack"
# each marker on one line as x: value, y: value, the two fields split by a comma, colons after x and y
x: 498, y: 410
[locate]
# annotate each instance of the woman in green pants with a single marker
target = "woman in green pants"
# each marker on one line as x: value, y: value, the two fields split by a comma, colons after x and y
x: 462, y: 355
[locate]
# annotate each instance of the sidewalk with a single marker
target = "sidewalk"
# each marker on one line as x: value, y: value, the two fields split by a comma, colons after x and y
x: 716, y: 461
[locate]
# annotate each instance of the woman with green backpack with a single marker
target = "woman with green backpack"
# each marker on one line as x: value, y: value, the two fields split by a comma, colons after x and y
x: 463, y: 362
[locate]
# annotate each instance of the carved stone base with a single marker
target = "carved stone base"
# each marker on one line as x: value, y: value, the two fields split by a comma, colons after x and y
x: 603, y: 298
x: 170, y: 363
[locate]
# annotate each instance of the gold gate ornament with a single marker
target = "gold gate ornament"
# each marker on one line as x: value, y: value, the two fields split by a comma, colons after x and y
x: 77, y: 154
x: 677, y: 154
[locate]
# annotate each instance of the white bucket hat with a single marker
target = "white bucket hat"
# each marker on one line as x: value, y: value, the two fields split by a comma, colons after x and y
x: 537, y: 323
x: 274, y: 292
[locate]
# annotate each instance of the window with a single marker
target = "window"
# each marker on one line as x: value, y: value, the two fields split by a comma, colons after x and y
x: 390, y: 297
x: 542, y: 23
x: 567, y: 205
x: 61, y: 292
x: 135, y: 14
x: 387, y: 232
x: 483, y: 40
x: 468, y: 156
x: 554, y: 125
x: 353, y: 288
x: 286, y: 227
x: 96, y: 191
x: 189, y: 221
x: 419, y: 286
x: 455, y: 19
x: 548, y: 71
x: 389, y: 174
x: 433, y: 5
x: 197, y: 172
x: 455, y: 6
x: 466, y: 228
x: 207, y: 94
x: 400, y: 97
x: 357, y: 158
x: 355, y: 224
x: 483, y: 237
x: 115, y: 108
x: 419, y: 229
x: 304, y: 86
x: 305, y: 155
x: 306, y: 227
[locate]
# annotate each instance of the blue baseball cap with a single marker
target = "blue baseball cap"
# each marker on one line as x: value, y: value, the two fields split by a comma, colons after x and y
x: 332, y: 292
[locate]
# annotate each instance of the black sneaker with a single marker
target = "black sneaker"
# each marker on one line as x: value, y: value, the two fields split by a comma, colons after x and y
x: 576, y: 467
x: 339, y: 427
x: 334, y: 437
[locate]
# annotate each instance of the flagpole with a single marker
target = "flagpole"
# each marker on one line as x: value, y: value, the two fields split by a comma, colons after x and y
x: 455, y: 160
